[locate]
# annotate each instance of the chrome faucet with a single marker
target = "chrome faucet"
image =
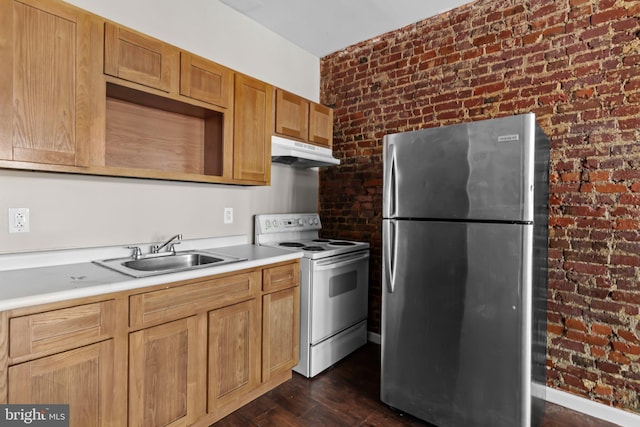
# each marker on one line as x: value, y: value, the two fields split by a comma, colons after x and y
x: 169, y: 244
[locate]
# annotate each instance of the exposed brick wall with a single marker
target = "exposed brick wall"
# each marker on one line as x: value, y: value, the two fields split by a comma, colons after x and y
x: 576, y: 64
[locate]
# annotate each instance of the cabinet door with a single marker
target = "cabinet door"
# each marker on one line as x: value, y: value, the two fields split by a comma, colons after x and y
x: 205, y: 80
x: 139, y: 58
x: 321, y: 125
x: 44, y: 86
x: 280, y: 331
x: 252, y: 129
x: 165, y: 366
x: 292, y: 115
x: 234, y: 352
x: 82, y: 378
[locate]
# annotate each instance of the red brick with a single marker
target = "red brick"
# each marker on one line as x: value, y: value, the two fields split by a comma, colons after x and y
x: 628, y: 336
x: 603, y: 390
x: 631, y: 297
x: 608, y: 367
x: 561, y: 222
x: 619, y: 358
x: 601, y: 329
x: 625, y: 260
x: 627, y: 224
x: 598, y: 352
x: 595, y: 176
x: 611, y: 188
x: 555, y: 329
x: 574, y: 381
x: 608, y: 15
x: 596, y: 341
x: 578, y: 2
x: 634, y: 350
x: 584, y: 93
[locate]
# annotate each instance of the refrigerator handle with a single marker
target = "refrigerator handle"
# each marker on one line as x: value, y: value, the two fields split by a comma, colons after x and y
x: 389, y: 253
x: 390, y: 182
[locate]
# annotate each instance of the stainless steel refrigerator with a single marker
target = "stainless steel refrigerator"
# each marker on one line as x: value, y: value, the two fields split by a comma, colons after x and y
x: 464, y: 295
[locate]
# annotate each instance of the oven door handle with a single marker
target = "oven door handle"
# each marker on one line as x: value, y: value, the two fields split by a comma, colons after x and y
x: 337, y: 262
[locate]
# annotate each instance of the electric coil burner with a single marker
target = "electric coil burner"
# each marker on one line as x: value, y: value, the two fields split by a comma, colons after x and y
x: 334, y: 287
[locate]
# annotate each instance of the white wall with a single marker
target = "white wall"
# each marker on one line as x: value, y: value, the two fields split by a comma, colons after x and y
x: 69, y: 211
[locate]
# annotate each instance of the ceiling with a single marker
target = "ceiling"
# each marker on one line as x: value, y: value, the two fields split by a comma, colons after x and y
x: 322, y: 27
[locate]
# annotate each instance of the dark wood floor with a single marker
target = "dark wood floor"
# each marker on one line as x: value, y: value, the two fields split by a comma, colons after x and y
x: 348, y: 394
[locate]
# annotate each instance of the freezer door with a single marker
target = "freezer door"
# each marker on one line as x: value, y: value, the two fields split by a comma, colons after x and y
x: 479, y: 171
x: 456, y: 321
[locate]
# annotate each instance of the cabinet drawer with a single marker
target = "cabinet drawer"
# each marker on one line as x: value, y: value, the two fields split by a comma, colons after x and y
x: 182, y: 301
x: 59, y: 330
x: 280, y: 277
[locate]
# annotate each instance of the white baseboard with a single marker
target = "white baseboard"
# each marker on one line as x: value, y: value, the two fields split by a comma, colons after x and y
x: 571, y: 401
x: 589, y: 407
x: 373, y: 337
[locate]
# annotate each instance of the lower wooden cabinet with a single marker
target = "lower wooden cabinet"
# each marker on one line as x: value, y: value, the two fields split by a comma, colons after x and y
x: 82, y: 378
x: 178, y: 354
x: 165, y: 369
x: 280, y: 331
x: 234, y: 353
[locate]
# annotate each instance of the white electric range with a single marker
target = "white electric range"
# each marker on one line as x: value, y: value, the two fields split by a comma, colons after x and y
x: 334, y: 287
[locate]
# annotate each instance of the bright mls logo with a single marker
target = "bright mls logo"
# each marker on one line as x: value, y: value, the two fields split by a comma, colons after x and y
x: 34, y: 415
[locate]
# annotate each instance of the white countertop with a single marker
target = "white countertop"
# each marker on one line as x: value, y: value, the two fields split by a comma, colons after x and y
x: 35, y: 280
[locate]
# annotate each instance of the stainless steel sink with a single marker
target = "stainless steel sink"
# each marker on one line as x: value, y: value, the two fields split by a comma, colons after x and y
x: 154, y: 264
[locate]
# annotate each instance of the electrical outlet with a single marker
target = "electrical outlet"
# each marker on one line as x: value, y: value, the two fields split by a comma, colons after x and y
x: 18, y: 220
x: 228, y: 215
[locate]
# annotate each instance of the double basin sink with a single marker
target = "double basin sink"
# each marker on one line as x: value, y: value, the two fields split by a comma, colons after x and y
x: 153, y: 264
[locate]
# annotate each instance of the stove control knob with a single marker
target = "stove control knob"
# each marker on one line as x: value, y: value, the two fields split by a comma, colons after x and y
x: 310, y: 221
x: 300, y: 222
x: 315, y: 221
x: 267, y: 224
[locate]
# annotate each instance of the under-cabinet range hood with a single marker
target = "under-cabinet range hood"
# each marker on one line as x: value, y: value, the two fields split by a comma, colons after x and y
x: 300, y: 154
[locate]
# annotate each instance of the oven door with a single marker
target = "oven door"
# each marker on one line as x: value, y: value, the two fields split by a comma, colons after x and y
x: 339, y: 293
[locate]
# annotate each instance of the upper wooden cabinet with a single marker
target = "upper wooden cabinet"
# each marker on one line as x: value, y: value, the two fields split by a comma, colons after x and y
x: 320, y: 125
x: 299, y: 118
x: 132, y: 56
x: 46, y: 56
x: 252, y: 129
x: 292, y: 115
x: 137, y: 58
x: 169, y: 113
x: 205, y: 80
x: 81, y: 94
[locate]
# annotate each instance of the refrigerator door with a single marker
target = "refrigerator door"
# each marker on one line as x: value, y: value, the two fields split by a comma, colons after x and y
x: 478, y: 171
x: 456, y: 340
